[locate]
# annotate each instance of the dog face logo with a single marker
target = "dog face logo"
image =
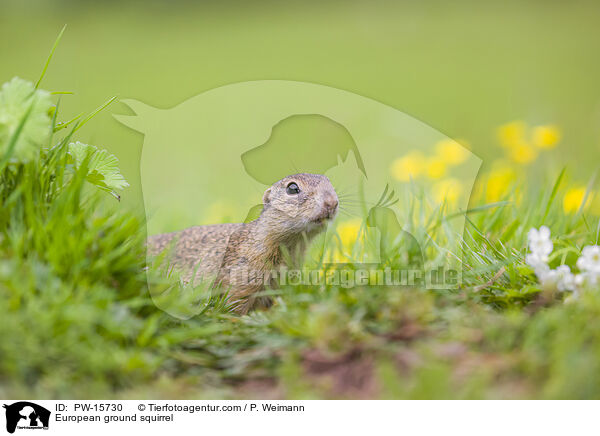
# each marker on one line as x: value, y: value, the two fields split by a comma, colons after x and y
x: 295, y: 142
x: 26, y: 415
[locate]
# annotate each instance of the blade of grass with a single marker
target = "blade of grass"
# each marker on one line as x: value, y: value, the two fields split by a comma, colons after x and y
x: 483, y: 237
x: 510, y: 230
x: 94, y: 113
x: 61, y: 126
x: 50, y: 56
x: 53, y: 124
x: 553, y: 194
x: 470, y: 212
x: 588, y: 191
x: 63, y: 148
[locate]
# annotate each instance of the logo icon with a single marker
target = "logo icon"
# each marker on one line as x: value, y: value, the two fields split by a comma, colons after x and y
x: 26, y: 415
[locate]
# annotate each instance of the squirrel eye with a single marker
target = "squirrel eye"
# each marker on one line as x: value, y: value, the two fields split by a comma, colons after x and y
x: 292, y: 189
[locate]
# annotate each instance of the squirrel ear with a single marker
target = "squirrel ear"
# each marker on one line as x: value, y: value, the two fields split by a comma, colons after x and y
x: 267, y: 197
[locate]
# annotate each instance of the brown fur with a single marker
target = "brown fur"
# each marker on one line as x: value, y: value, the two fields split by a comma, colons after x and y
x: 225, y: 251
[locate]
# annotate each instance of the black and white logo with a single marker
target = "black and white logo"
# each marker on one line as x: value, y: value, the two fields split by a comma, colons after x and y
x: 26, y: 415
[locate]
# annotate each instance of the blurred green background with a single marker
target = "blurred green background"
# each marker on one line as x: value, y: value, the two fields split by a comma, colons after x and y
x: 463, y: 67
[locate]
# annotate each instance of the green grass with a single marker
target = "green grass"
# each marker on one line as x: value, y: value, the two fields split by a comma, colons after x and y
x: 77, y: 318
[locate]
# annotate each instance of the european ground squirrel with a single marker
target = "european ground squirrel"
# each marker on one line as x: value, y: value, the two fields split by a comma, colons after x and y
x: 295, y: 209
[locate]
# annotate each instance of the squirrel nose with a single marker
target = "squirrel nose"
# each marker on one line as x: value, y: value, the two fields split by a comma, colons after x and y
x: 331, y: 204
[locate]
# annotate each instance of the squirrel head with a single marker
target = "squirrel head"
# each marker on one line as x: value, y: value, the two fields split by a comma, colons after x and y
x: 300, y: 203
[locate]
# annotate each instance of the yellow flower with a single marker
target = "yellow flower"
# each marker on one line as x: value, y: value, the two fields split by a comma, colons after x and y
x: 451, y: 152
x: 348, y: 232
x: 522, y: 153
x: 449, y: 190
x: 546, y: 136
x: 574, y: 198
x: 512, y: 134
x: 408, y: 167
x: 498, y: 182
x: 436, y: 167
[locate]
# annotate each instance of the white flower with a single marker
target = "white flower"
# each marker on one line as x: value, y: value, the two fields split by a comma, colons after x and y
x: 539, y: 241
x: 560, y: 279
x: 538, y: 263
x: 566, y: 279
x: 587, y: 280
x: 549, y: 280
x: 590, y: 259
